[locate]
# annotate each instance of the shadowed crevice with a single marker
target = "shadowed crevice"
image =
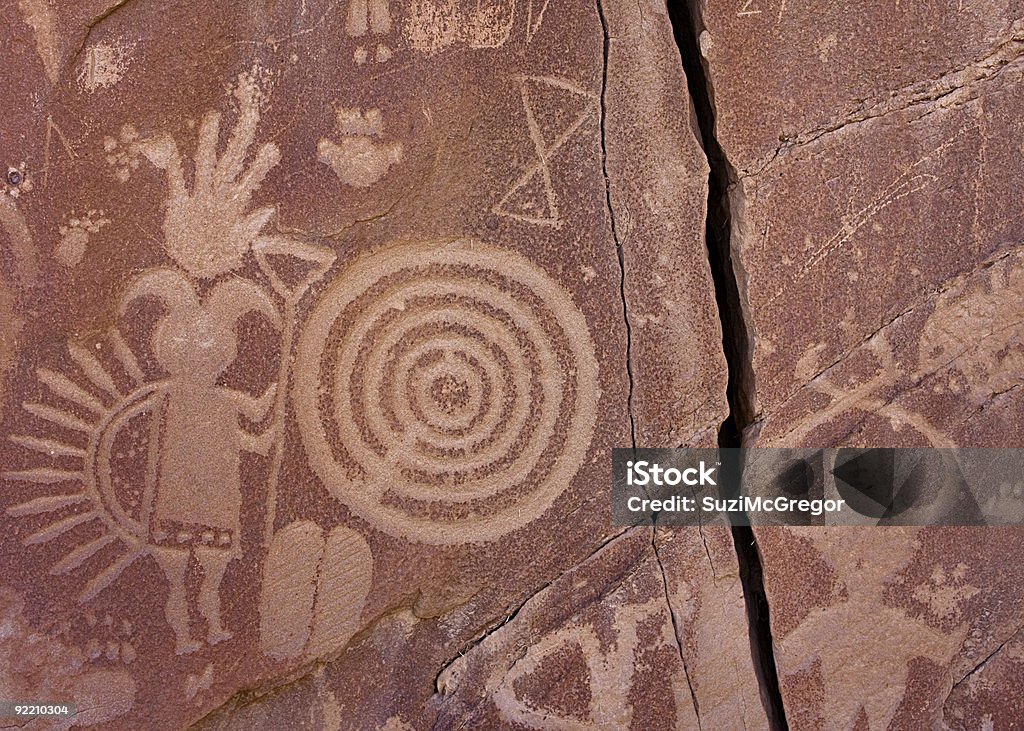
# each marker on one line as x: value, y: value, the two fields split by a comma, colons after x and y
x: 614, y: 226
x: 724, y: 220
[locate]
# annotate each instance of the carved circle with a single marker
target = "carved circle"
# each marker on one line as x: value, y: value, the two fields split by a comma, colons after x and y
x: 101, y: 474
x: 446, y: 394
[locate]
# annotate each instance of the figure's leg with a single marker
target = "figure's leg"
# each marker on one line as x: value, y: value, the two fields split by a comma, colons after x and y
x: 356, y: 22
x: 215, y: 563
x: 380, y: 17
x: 174, y: 563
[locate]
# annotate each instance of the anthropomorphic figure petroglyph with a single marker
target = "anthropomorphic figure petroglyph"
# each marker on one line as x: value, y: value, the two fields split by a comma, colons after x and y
x: 188, y: 504
x: 198, y: 500
x: 208, y: 230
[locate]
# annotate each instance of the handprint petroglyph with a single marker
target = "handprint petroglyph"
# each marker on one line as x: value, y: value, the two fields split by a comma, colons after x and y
x: 358, y: 160
x: 209, y: 226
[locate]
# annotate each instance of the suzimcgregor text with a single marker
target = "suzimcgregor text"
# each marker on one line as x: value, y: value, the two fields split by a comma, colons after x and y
x: 745, y: 504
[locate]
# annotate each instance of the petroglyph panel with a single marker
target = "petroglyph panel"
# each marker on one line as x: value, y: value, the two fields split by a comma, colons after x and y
x: 312, y: 340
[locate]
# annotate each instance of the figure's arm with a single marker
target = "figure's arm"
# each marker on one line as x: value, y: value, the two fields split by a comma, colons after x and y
x: 257, y: 443
x: 254, y: 408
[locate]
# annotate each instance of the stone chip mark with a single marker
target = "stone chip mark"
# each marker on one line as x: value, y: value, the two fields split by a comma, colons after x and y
x: 104, y: 65
x: 748, y: 8
x: 209, y: 228
x: 17, y: 246
x: 189, y: 425
x: 40, y: 17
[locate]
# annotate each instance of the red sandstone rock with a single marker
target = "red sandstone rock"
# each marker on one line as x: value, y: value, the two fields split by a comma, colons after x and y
x: 314, y: 345
x: 877, y: 252
x: 318, y: 320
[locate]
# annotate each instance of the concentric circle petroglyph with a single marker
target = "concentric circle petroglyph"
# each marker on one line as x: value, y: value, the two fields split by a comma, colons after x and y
x: 446, y: 393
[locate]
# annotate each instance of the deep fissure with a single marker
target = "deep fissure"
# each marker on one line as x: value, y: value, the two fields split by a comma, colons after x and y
x: 614, y: 226
x: 687, y: 24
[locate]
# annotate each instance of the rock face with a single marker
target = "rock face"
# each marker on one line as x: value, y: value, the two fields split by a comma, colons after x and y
x: 875, y: 236
x: 319, y: 320
x: 315, y: 336
x: 560, y: 659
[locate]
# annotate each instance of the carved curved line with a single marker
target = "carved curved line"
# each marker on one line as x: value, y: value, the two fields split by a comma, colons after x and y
x: 129, y: 530
x: 26, y: 265
x: 167, y: 285
x: 317, y: 354
x: 236, y: 297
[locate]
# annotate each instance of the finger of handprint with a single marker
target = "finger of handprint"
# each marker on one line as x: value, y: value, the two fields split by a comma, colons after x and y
x: 266, y: 158
x: 206, y: 152
x: 253, y: 224
x: 163, y: 153
x: 158, y: 150
x: 242, y: 136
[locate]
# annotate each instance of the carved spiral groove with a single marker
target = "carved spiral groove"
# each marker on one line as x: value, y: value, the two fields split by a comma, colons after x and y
x: 448, y: 393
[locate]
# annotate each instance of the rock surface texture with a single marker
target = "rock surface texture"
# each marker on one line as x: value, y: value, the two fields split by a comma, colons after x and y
x: 875, y: 230
x: 316, y: 339
x: 319, y: 320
